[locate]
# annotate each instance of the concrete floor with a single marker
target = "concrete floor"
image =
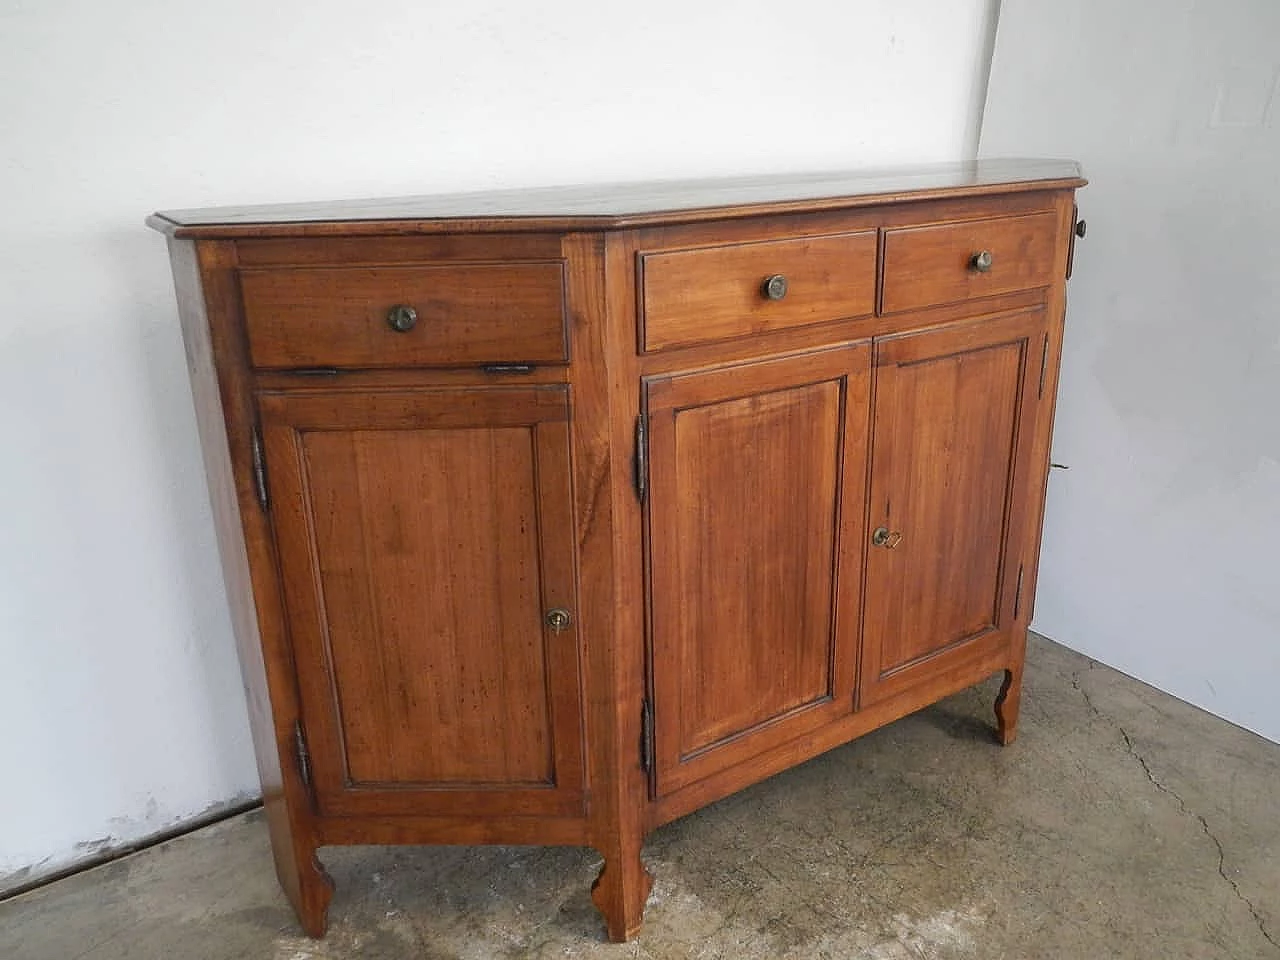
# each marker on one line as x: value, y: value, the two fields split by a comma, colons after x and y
x: 1123, y: 823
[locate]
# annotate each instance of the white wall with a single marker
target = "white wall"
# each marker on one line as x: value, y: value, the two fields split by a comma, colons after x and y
x: 1162, y: 542
x: 119, y: 692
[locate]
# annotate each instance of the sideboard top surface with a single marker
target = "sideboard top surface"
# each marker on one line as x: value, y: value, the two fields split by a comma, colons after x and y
x: 615, y: 205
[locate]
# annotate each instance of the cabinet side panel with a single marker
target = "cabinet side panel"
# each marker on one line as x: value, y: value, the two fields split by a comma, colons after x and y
x: 208, y: 304
x: 1038, y: 474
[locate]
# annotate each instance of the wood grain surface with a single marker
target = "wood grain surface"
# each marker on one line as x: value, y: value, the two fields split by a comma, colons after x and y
x: 420, y: 540
x: 467, y: 313
x: 397, y: 515
x: 757, y: 471
x: 929, y: 265
x: 716, y: 293
x: 951, y: 432
x: 614, y: 205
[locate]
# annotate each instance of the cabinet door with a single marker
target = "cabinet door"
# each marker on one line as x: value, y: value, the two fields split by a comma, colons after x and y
x: 755, y: 517
x: 423, y: 535
x: 954, y: 417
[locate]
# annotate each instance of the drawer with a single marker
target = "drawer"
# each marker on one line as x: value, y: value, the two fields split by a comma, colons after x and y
x: 459, y: 314
x: 717, y: 293
x: 937, y: 264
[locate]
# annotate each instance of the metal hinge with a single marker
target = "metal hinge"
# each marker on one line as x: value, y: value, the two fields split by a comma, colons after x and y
x: 646, y: 736
x: 498, y: 368
x: 313, y: 372
x: 260, y: 469
x: 1044, y: 364
x: 1078, y: 229
x: 642, y: 457
x: 303, y: 755
x: 1017, y: 595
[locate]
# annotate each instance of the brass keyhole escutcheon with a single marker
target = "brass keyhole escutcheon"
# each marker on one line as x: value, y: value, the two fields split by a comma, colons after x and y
x: 884, y: 537
x: 402, y: 318
x: 558, y: 619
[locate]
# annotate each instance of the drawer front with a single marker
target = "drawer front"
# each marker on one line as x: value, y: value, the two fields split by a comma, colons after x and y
x: 930, y: 265
x: 462, y: 314
x: 718, y: 293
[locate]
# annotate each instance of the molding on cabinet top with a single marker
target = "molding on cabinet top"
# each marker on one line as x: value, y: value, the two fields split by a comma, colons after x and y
x: 619, y: 205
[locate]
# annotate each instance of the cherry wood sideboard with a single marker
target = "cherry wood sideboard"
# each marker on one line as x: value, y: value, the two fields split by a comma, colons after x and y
x: 550, y: 516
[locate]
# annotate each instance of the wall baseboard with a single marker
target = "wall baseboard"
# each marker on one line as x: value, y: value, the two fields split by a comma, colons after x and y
x: 215, y: 814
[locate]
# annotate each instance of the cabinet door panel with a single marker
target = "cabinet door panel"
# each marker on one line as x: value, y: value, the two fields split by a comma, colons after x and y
x: 421, y: 541
x: 953, y: 420
x: 753, y: 579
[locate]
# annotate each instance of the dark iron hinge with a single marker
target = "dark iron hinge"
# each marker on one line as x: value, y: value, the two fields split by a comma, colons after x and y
x: 499, y: 368
x: 1078, y: 229
x: 642, y: 457
x: 313, y: 371
x: 1017, y: 595
x: 260, y: 469
x: 1071, y: 240
x: 646, y: 736
x: 302, y: 753
x: 1044, y: 364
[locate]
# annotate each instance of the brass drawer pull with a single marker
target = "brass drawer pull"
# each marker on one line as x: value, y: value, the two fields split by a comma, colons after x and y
x: 402, y: 318
x: 775, y: 287
x: 981, y: 261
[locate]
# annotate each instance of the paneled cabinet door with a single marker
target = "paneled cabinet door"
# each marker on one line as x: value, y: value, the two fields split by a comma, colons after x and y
x: 755, y: 513
x: 424, y: 536
x: 954, y: 418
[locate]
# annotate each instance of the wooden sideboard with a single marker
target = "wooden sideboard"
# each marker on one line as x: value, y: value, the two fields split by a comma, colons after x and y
x: 550, y: 516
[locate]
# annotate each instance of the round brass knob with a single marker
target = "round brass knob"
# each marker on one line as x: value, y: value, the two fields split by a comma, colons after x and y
x: 1081, y: 229
x: 558, y: 619
x: 402, y: 318
x: 883, y: 537
x: 981, y: 261
x: 775, y: 287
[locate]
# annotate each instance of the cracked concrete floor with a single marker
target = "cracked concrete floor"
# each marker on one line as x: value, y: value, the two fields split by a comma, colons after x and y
x: 1123, y: 823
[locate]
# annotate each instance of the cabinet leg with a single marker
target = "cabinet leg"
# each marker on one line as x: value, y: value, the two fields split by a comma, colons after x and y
x: 315, y: 888
x: 1007, y: 705
x: 305, y: 881
x: 620, y: 891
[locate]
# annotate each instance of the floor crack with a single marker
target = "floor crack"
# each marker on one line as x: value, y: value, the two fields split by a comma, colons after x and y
x: 1182, y: 805
x: 1088, y: 700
